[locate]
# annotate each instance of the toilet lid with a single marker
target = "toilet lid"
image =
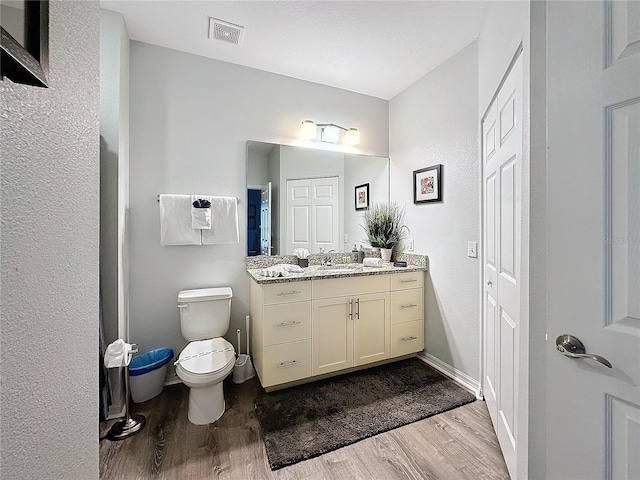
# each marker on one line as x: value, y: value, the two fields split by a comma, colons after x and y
x: 206, y: 356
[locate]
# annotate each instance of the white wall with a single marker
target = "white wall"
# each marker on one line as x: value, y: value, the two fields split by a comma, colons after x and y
x: 190, y: 120
x: 434, y: 121
x: 49, y: 258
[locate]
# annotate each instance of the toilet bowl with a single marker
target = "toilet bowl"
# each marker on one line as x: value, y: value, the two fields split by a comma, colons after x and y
x: 202, y: 367
x: 208, y: 359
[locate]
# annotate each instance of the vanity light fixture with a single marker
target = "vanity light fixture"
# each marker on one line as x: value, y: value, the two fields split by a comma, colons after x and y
x: 330, y: 132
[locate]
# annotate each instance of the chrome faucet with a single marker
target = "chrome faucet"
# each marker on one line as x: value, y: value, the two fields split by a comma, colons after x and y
x: 327, y: 258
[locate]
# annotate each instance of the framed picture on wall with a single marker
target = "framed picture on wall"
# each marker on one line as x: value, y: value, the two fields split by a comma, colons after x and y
x: 362, y: 197
x: 427, y: 184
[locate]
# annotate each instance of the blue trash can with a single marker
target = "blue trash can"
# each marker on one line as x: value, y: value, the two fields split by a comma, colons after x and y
x: 147, y: 373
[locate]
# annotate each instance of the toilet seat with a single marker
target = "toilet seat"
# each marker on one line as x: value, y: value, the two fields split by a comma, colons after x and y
x: 208, y: 357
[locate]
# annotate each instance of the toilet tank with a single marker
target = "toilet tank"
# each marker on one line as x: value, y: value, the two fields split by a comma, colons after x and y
x: 204, y: 312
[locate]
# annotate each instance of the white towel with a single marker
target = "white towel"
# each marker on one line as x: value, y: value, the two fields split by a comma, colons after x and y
x: 224, y: 222
x: 372, y: 262
x: 117, y: 354
x: 175, y: 221
x: 200, y: 217
x: 281, y: 270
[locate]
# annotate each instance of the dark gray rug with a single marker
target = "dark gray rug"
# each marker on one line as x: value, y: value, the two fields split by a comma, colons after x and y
x: 306, y: 421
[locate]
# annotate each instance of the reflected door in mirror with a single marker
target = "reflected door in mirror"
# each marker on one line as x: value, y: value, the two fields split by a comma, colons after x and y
x: 265, y: 220
x: 253, y: 222
x: 313, y: 214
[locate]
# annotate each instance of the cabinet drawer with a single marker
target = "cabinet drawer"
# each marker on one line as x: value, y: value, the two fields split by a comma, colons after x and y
x: 286, y: 322
x: 340, y: 287
x: 286, y: 363
x: 407, y: 338
x: 401, y: 281
x: 407, y: 305
x: 286, y: 292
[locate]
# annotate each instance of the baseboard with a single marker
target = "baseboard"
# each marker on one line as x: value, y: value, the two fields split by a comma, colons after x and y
x: 454, y: 374
x: 172, y: 380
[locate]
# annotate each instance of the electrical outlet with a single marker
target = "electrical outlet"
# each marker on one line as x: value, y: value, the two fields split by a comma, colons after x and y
x: 472, y: 249
x: 346, y: 238
x: 410, y: 244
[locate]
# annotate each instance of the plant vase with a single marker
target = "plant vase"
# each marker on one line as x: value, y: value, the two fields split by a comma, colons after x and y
x: 385, y: 253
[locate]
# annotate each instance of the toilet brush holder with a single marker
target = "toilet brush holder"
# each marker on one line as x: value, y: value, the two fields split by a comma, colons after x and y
x: 243, y: 369
x: 132, y: 423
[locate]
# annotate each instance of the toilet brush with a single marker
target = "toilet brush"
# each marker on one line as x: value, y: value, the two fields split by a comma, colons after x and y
x: 132, y: 423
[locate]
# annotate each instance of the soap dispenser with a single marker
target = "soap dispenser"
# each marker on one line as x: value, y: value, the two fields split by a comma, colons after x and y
x: 360, y: 254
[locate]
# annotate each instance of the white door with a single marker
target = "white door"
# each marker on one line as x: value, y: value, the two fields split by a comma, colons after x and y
x: 265, y: 219
x: 313, y: 214
x: 502, y: 177
x: 593, y: 233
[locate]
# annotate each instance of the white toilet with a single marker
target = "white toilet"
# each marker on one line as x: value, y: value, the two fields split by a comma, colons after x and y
x: 209, y: 358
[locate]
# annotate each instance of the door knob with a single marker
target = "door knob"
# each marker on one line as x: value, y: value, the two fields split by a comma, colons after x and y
x: 570, y: 346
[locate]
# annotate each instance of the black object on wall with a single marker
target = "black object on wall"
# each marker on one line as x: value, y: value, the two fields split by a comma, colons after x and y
x: 28, y: 64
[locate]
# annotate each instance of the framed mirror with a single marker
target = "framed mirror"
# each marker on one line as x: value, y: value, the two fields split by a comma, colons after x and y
x: 24, y: 41
x: 306, y: 198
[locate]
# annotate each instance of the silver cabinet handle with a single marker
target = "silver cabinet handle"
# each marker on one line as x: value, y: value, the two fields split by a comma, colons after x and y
x: 289, y: 324
x: 292, y: 292
x: 409, y: 281
x: 408, y: 339
x: 411, y: 305
x: 358, y: 308
x: 289, y: 364
x: 570, y: 346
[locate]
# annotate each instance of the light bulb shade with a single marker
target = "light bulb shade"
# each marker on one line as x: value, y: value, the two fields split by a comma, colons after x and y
x: 308, y: 129
x: 330, y: 134
x: 352, y: 136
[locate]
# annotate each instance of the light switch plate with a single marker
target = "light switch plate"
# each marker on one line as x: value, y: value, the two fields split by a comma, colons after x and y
x: 410, y: 244
x: 472, y: 249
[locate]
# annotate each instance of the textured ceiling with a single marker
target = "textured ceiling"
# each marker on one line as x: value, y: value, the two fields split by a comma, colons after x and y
x: 377, y: 48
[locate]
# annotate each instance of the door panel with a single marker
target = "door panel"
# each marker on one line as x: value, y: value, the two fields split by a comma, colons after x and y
x: 313, y: 215
x: 372, y: 324
x: 490, y: 394
x: 502, y: 187
x: 332, y: 335
x: 265, y: 219
x: 593, y: 125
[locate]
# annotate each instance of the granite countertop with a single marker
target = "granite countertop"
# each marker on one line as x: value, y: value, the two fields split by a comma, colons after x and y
x: 319, y: 272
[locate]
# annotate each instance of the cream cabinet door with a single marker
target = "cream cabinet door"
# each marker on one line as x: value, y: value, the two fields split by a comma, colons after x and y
x: 372, y: 325
x: 332, y: 334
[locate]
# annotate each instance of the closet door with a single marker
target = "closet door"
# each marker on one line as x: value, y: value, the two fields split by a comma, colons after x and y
x: 502, y: 197
x: 313, y: 214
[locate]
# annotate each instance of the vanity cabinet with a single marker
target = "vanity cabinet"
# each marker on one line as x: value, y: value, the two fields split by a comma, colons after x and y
x: 407, y: 313
x: 281, y: 324
x: 307, y: 328
x: 350, y: 331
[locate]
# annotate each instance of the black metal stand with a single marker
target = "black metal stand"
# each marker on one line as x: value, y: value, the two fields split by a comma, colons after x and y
x: 131, y: 424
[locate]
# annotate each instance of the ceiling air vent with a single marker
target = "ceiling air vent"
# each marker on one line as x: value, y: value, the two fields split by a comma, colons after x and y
x: 225, y: 31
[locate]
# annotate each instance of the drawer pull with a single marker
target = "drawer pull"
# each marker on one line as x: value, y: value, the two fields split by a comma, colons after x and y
x: 292, y: 292
x: 411, y: 305
x: 289, y: 364
x: 289, y: 324
x: 409, y: 281
x: 408, y: 339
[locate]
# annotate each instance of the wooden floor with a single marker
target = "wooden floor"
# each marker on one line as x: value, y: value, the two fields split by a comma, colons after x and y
x: 458, y: 444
